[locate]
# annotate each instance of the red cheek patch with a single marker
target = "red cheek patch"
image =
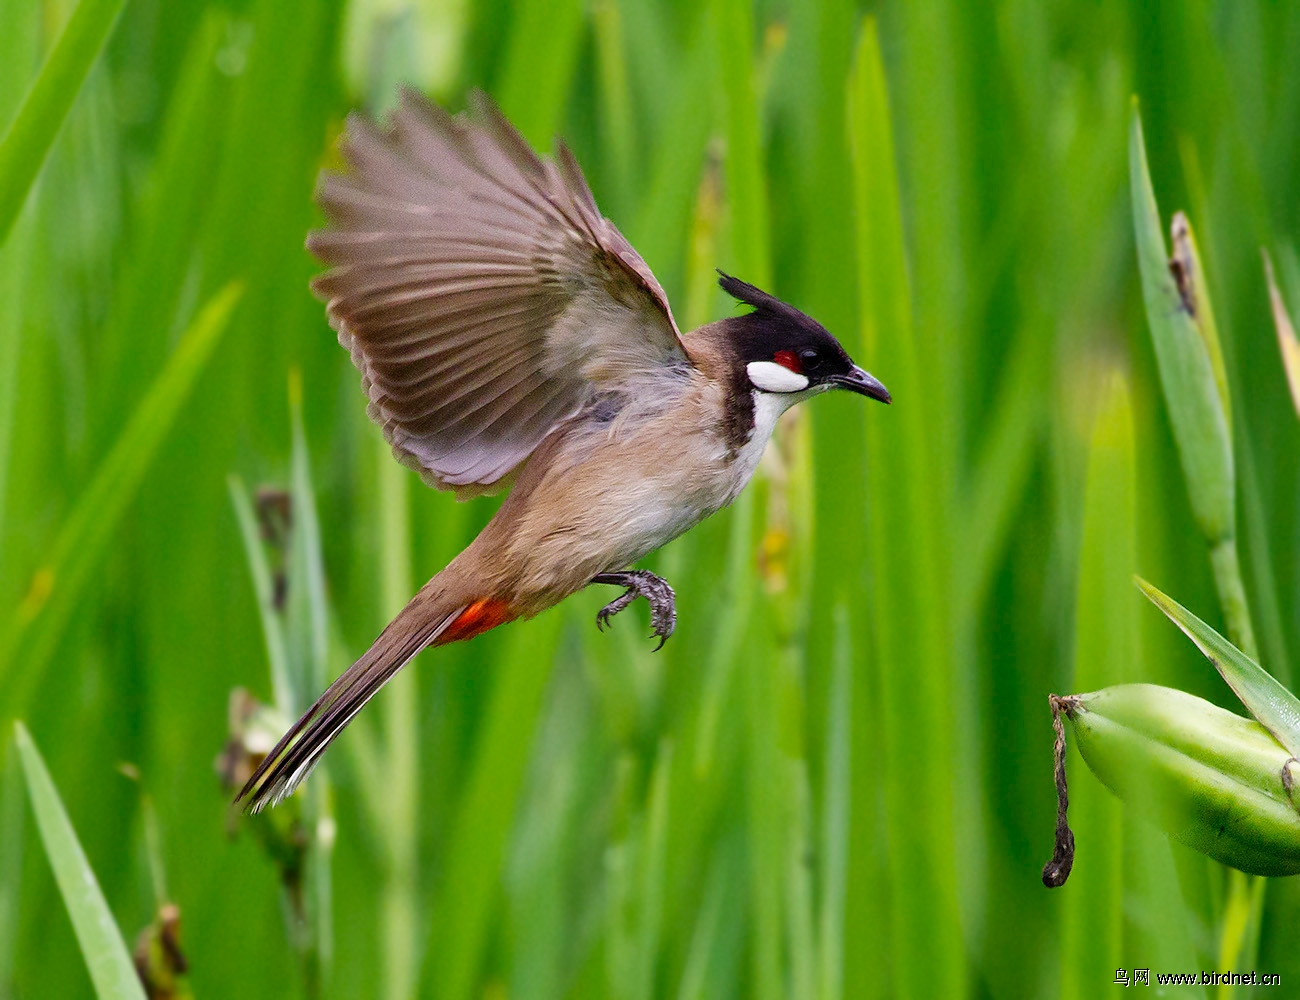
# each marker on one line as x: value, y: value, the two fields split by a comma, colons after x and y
x: 788, y: 359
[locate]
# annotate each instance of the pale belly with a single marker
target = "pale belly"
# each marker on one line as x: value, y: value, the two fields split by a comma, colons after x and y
x: 625, y: 498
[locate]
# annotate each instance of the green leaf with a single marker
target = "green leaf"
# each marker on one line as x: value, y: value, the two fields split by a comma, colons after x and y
x: 12, y: 816
x: 1001, y: 472
x: 1125, y: 864
x: 733, y: 27
x: 910, y: 524
x: 307, y: 612
x: 157, y: 275
x: 710, y: 969
x: 1188, y: 272
x: 672, y: 174
x: 461, y: 927
x: 264, y: 589
x: 38, y: 623
x: 832, y: 858
x: 618, y: 121
x: 653, y: 844
x: 1105, y: 653
x: 1196, y: 409
x: 537, y: 72
x: 402, y: 906
x: 27, y: 142
x: 1287, y: 342
x: 102, y: 947
x: 1276, y: 708
x: 727, y: 639
x: 307, y: 619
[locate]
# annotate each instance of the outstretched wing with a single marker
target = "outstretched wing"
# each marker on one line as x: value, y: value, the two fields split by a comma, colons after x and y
x: 482, y: 295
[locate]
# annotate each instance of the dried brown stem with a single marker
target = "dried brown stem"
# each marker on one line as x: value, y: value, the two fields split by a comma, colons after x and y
x: 1056, y: 871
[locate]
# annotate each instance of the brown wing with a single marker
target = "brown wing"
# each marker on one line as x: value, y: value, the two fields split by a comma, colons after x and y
x: 481, y: 293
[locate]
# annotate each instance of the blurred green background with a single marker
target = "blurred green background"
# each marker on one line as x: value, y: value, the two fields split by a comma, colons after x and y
x: 834, y: 780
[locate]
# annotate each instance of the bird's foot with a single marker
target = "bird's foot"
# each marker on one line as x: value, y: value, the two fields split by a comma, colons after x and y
x: 641, y: 583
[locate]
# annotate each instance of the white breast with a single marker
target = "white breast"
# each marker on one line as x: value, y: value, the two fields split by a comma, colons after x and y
x: 768, y: 407
x: 668, y: 479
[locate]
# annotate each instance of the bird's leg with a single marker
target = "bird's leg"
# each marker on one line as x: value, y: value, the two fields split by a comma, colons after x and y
x: 641, y: 583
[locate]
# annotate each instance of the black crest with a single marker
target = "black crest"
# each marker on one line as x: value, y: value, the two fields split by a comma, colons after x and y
x: 763, y: 302
x: 775, y: 326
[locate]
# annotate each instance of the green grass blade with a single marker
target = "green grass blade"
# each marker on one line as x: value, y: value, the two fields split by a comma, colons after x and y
x: 11, y: 867
x: 264, y: 590
x: 15, y: 257
x: 19, y: 49
x: 716, y: 938
x: 767, y: 808
x: 101, y: 942
x: 158, y: 273
x: 910, y: 610
x: 1287, y: 342
x: 1186, y: 372
x: 836, y: 815
x: 617, y: 124
x: 653, y: 844
x: 39, y: 621
x: 1188, y: 270
x: 673, y: 174
x: 930, y: 115
x: 20, y: 54
x: 800, y: 933
x: 1164, y: 935
x: 1105, y: 652
x: 539, y: 62
x: 27, y: 142
x: 1001, y: 473
x: 308, y: 654
x: 733, y: 32
x: 401, y: 708
x: 461, y: 924
x: 1267, y: 593
x: 1276, y: 708
x: 1125, y: 902
x: 728, y: 639
x: 731, y: 28
x: 308, y: 613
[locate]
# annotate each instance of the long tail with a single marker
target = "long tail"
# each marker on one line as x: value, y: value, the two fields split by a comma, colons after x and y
x: 430, y: 618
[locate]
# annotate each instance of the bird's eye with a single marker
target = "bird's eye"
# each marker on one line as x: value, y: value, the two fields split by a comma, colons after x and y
x: 810, y: 358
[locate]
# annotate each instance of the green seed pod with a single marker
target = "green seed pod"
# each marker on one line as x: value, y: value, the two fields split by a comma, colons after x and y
x: 1215, y: 781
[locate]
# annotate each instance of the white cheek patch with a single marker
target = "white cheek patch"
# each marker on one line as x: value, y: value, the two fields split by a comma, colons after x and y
x: 771, y: 377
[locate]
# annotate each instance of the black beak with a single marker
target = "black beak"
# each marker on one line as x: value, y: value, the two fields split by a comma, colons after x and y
x: 863, y: 383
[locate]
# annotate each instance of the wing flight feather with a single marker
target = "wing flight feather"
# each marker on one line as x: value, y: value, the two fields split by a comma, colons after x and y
x: 481, y: 293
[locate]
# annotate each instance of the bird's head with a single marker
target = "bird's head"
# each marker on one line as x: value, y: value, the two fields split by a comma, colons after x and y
x: 784, y: 351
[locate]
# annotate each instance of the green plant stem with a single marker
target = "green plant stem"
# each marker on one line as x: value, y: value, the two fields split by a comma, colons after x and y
x: 400, y: 905
x: 1232, y: 596
x: 1239, y: 936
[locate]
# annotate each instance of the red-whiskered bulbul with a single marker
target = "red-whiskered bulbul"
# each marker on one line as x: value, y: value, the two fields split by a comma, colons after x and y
x: 507, y: 332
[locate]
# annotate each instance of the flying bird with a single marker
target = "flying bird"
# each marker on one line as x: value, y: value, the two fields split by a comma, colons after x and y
x: 508, y: 335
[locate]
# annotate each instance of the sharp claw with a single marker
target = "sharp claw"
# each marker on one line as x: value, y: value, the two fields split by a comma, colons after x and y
x: 658, y: 594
